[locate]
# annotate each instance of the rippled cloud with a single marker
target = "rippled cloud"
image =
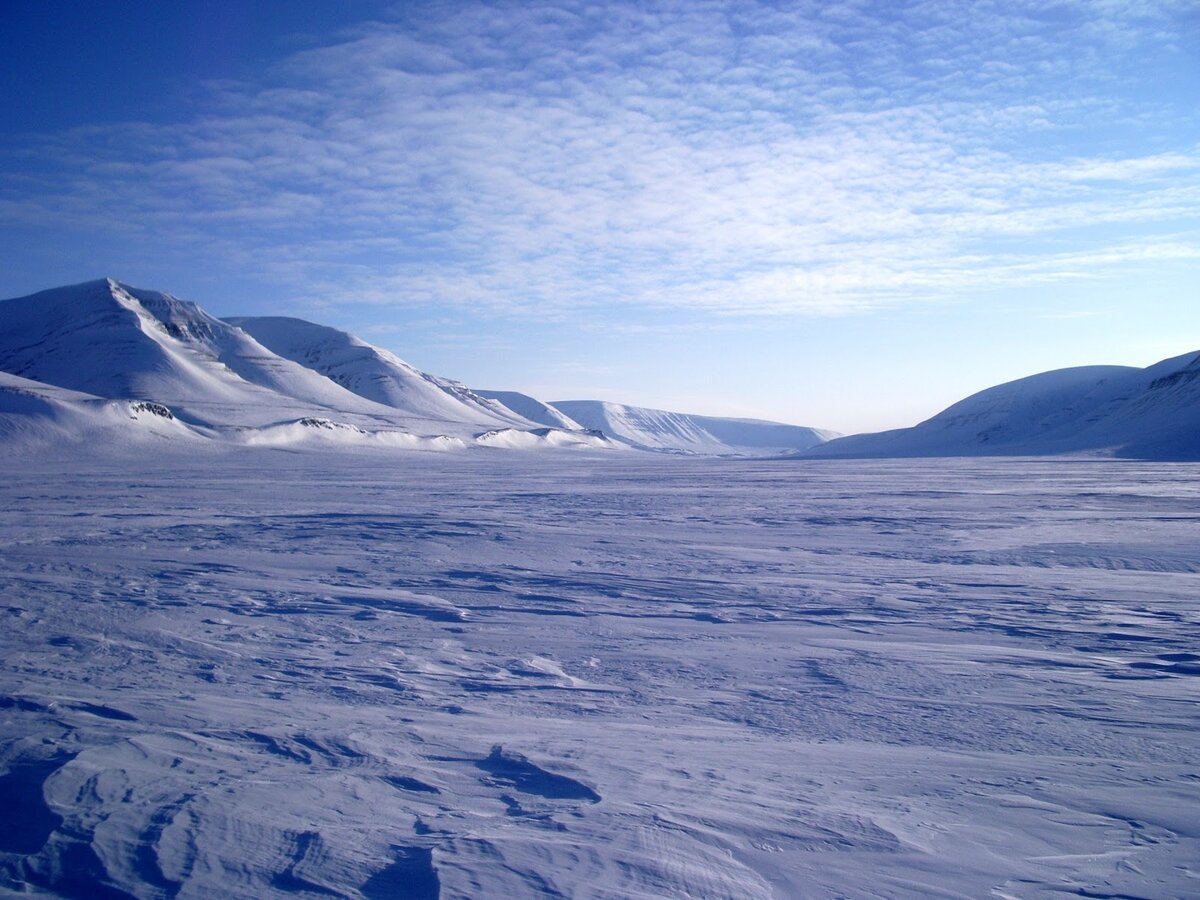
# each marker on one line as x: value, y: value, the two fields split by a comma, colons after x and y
x: 733, y: 158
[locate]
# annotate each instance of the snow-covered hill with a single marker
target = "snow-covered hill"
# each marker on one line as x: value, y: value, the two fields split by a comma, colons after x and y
x: 374, y: 373
x: 1151, y: 413
x: 532, y: 409
x: 284, y: 381
x: 111, y: 340
x: 656, y: 429
x: 35, y: 415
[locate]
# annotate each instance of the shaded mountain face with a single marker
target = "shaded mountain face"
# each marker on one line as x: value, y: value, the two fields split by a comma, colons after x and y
x: 656, y: 429
x: 374, y: 373
x: 1151, y: 413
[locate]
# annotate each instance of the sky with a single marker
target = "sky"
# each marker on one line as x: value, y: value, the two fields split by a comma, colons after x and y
x: 839, y: 214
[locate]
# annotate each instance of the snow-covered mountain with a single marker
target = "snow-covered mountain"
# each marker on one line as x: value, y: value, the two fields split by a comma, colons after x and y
x: 376, y: 374
x: 91, y: 361
x: 111, y: 340
x: 1151, y: 413
x: 281, y: 381
x: 531, y: 408
x: 660, y: 430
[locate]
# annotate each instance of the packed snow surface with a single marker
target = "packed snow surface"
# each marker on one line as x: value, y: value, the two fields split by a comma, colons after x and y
x: 1151, y: 413
x: 657, y: 429
x: 257, y: 673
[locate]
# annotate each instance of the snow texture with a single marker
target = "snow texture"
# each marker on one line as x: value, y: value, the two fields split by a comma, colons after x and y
x: 251, y: 673
x: 1151, y: 413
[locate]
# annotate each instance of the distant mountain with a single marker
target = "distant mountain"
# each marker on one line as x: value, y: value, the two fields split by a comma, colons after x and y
x: 112, y: 363
x: 672, y: 432
x: 376, y: 374
x: 1151, y: 413
x: 532, y: 408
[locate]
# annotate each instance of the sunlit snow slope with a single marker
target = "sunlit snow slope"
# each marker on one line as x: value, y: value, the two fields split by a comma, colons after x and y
x: 531, y: 408
x: 374, y: 373
x: 130, y: 351
x: 656, y: 429
x: 111, y: 340
x: 33, y: 414
x: 1151, y: 413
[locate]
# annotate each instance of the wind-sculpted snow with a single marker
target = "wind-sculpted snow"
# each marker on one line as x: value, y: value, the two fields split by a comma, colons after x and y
x: 672, y: 432
x: 534, y: 438
x: 1151, y: 413
x: 269, y: 674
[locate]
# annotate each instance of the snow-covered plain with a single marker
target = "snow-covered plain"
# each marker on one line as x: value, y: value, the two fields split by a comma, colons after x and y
x: 259, y: 673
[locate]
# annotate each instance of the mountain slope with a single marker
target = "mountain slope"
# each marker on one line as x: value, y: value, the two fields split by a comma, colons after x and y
x: 33, y: 415
x: 111, y: 340
x: 532, y: 409
x: 373, y: 373
x: 656, y: 429
x: 1151, y: 413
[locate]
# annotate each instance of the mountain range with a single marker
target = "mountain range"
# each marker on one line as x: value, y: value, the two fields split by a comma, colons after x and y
x: 106, y: 363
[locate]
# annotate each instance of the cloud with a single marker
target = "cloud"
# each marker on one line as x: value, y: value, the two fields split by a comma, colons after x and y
x: 731, y: 158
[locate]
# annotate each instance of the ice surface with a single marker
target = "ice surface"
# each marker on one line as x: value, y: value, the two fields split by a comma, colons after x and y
x: 260, y: 673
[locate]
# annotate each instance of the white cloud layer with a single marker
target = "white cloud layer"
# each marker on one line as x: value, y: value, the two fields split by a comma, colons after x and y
x: 806, y: 158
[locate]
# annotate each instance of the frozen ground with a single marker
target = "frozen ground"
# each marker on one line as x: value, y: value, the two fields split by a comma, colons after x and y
x: 489, y: 675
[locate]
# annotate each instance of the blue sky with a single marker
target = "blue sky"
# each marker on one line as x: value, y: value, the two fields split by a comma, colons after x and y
x: 845, y: 215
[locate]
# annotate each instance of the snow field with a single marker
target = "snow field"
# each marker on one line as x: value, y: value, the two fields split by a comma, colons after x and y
x: 270, y: 674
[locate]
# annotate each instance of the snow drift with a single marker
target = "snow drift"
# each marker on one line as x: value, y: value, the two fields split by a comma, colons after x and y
x: 34, y: 415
